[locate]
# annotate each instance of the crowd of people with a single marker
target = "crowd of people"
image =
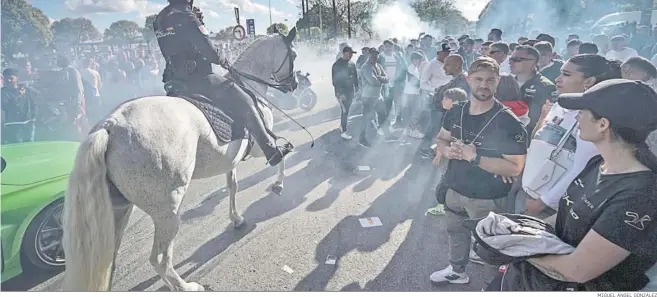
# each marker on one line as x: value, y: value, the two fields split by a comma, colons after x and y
x: 521, y: 128
x: 59, y: 96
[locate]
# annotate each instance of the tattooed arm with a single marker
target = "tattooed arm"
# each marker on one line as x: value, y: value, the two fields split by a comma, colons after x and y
x: 593, y: 256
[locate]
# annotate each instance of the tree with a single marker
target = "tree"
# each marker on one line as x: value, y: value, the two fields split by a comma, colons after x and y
x: 441, y: 14
x: 24, y: 27
x: 282, y: 28
x: 72, y: 31
x: 148, y: 32
x: 225, y: 34
x: 123, y: 31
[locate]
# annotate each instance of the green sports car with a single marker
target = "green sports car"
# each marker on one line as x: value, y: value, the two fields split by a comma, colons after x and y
x: 34, y: 178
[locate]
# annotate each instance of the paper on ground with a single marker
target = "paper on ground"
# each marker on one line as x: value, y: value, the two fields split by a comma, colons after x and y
x: 287, y: 269
x: 330, y: 260
x: 364, y: 168
x: 370, y: 222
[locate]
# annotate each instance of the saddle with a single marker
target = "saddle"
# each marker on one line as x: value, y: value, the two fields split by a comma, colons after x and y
x: 225, y: 125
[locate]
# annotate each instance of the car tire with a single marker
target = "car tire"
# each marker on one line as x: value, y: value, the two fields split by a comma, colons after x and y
x: 33, y: 253
x: 308, y: 101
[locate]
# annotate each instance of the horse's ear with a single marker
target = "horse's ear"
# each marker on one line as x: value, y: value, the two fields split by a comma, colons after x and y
x: 291, y: 36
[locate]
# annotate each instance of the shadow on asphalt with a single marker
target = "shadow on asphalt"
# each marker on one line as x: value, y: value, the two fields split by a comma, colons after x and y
x: 408, y: 198
x: 24, y: 282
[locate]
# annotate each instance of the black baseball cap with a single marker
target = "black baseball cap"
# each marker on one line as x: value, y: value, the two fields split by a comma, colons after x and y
x: 445, y: 48
x: 348, y: 49
x: 625, y: 103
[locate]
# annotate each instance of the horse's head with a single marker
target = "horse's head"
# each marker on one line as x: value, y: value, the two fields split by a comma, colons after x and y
x: 283, y: 56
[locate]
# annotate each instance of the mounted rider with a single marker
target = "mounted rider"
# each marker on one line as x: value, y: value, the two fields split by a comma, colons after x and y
x: 189, y: 54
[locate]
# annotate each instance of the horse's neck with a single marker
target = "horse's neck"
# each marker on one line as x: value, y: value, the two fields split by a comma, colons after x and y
x: 248, y: 65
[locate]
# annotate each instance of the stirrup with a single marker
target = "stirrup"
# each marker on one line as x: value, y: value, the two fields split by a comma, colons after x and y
x: 281, y: 152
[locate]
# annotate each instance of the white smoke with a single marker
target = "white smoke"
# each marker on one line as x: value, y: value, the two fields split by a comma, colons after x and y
x: 399, y: 20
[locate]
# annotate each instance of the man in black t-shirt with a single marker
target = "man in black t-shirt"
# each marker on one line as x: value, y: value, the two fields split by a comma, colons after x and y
x: 483, y: 141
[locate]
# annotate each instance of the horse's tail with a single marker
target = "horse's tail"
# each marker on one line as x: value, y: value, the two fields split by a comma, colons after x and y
x: 89, y: 219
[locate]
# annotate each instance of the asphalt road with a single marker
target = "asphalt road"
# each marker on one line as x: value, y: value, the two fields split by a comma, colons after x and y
x: 316, y: 217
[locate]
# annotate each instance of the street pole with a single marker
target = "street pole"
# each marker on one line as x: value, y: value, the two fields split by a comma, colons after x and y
x: 270, y: 22
x: 321, y: 28
x: 349, y: 19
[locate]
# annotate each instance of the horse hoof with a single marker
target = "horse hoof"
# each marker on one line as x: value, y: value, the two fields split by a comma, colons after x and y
x: 238, y: 222
x: 193, y: 287
x: 277, y: 189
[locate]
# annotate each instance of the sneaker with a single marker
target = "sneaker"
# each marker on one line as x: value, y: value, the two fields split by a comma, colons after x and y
x: 380, y: 132
x: 448, y: 275
x: 346, y: 136
x: 391, y: 138
x: 416, y: 134
x: 364, y: 143
x: 437, y: 211
x: 474, y: 258
x: 427, y: 153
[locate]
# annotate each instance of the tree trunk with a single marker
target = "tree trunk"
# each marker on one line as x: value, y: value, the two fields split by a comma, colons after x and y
x: 335, y: 20
x: 646, y: 12
x: 349, y: 18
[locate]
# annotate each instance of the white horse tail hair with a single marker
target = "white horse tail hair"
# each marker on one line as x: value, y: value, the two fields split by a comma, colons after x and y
x: 89, y: 243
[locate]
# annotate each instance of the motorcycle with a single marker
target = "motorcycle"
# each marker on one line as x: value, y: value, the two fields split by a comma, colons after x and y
x: 303, y: 97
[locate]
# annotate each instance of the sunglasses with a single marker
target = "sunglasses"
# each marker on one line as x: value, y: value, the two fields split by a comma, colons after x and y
x: 519, y: 59
x: 494, y: 52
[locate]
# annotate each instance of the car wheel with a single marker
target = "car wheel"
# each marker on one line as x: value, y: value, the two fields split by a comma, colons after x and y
x: 42, y: 249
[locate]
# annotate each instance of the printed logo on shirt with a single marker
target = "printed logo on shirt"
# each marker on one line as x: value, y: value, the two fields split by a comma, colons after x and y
x: 635, y: 221
x: 579, y: 183
x: 573, y: 214
x: 567, y: 199
x: 520, y: 138
x: 204, y: 30
x: 587, y: 202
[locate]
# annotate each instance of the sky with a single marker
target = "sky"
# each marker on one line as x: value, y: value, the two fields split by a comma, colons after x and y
x: 218, y: 13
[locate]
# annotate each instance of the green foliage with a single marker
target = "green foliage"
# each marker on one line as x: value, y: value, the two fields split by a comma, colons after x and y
x: 72, y: 31
x: 148, y: 32
x: 282, y: 28
x: 225, y: 34
x: 123, y: 32
x: 24, y: 27
x: 441, y: 14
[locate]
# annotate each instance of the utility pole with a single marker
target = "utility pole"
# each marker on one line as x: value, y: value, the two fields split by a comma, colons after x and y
x: 349, y: 19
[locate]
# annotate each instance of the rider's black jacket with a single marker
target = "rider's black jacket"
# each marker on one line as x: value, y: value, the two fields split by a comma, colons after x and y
x: 184, y: 43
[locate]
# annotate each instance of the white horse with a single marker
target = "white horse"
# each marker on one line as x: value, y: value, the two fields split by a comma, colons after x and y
x: 145, y: 154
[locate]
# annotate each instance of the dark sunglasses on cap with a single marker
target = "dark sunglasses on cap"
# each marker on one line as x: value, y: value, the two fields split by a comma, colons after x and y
x: 519, y: 59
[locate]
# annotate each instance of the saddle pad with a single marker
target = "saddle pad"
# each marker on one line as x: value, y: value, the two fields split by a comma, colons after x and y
x: 225, y: 128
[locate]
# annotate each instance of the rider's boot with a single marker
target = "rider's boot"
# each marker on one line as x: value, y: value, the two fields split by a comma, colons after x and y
x: 266, y: 142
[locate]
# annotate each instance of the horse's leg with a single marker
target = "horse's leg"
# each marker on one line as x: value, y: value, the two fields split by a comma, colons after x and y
x: 277, y: 187
x: 166, y: 229
x: 231, y: 181
x: 122, y: 212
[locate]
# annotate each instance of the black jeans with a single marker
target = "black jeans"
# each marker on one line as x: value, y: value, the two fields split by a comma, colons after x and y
x: 345, y: 104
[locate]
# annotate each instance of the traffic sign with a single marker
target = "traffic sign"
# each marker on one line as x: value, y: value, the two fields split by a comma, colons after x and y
x: 250, y: 27
x: 239, y: 33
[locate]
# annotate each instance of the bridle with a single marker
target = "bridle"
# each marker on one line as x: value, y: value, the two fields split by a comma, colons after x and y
x: 284, y: 85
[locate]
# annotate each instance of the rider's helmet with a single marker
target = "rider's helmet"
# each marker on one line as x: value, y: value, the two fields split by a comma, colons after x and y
x: 190, y: 2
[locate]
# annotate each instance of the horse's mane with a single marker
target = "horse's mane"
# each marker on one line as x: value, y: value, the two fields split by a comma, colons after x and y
x: 250, y: 47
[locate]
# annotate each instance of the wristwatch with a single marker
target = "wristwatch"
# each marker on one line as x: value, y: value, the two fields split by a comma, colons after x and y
x: 476, y: 160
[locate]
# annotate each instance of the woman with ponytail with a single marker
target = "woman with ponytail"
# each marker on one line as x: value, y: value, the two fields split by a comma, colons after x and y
x: 609, y: 212
x: 541, y: 199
